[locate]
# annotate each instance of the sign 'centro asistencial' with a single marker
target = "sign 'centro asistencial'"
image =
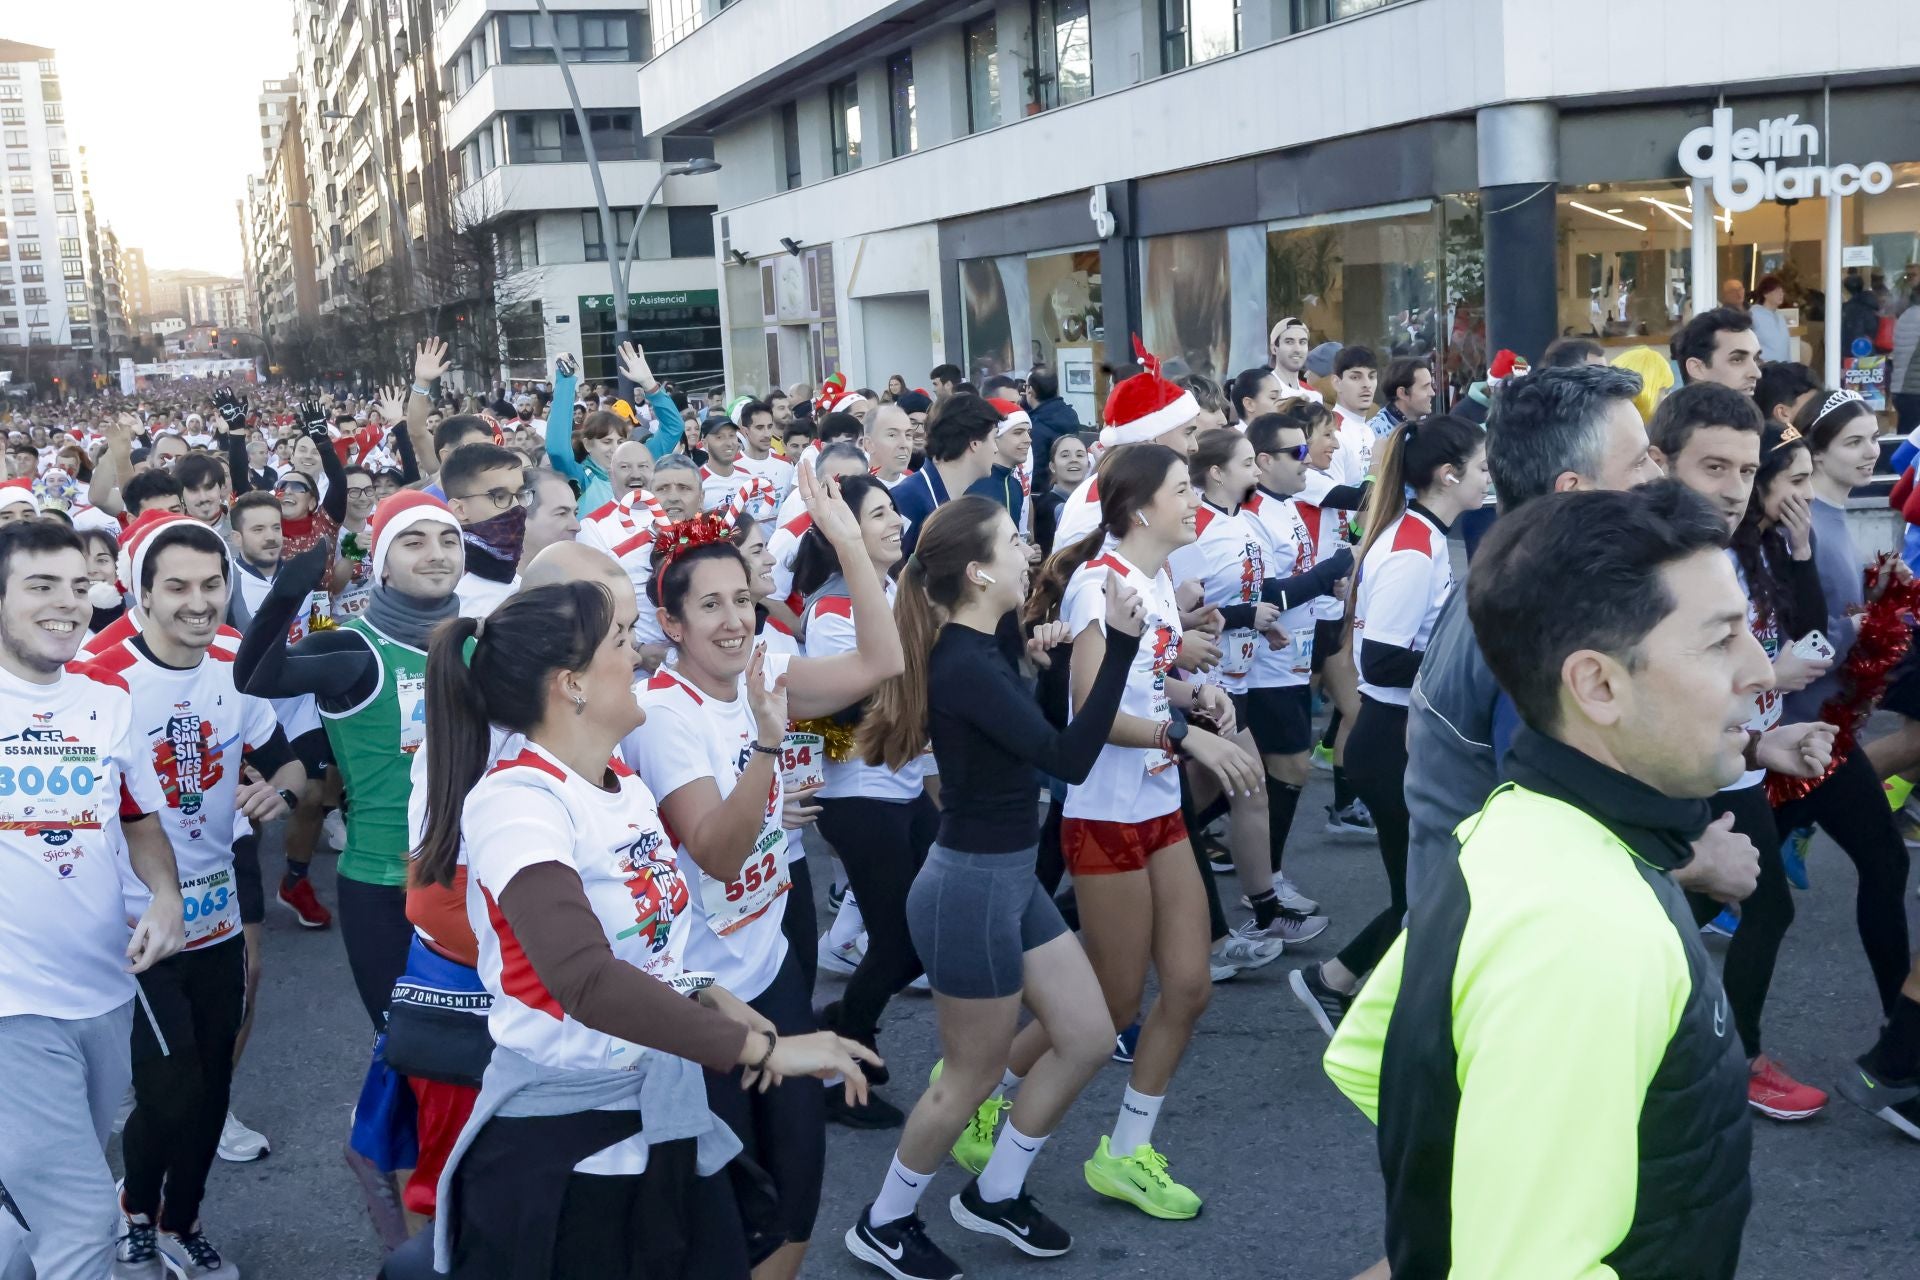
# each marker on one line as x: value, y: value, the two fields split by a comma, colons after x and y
x: 1744, y: 165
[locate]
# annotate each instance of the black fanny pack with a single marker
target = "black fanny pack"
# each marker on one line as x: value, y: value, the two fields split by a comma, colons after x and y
x: 436, y: 1033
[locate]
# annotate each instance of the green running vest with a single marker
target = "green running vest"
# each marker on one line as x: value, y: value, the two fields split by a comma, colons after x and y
x: 373, y: 746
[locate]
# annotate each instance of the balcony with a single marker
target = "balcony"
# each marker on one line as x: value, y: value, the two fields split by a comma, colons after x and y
x: 536, y: 88
x: 519, y: 188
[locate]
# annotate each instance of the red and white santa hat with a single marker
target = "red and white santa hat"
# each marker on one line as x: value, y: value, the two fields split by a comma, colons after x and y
x: 1012, y: 415
x: 138, y: 540
x: 835, y: 398
x: 399, y: 512
x: 20, y: 492
x: 1146, y: 406
x: 1506, y: 364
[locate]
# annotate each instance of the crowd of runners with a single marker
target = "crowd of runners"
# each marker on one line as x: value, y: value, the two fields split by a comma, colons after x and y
x: 589, y: 686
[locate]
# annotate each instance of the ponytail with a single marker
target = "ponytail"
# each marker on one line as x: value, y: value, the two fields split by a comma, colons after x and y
x: 1409, y: 460
x: 503, y: 679
x: 1050, y: 584
x: 457, y: 742
x: 1129, y: 476
x: 959, y: 533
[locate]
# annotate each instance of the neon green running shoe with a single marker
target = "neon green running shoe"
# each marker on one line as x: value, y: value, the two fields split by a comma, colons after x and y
x: 976, y: 1142
x: 1141, y: 1180
x: 1322, y: 757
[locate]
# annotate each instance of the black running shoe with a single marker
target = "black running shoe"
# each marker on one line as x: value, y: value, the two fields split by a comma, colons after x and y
x: 875, y: 1113
x: 1017, y: 1221
x: 830, y: 1021
x: 900, y: 1248
x: 1325, y: 1004
x: 1885, y: 1098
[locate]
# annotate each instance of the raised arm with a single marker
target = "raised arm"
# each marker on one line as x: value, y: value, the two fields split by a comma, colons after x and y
x: 560, y: 423
x: 668, y: 425
x: 1010, y: 717
x: 429, y: 364
x: 822, y: 686
x: 334, y: 665
x: 103, y: 491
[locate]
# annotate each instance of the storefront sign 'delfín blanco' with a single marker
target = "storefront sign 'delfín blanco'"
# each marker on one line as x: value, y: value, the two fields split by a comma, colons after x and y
x: 1745, y: 165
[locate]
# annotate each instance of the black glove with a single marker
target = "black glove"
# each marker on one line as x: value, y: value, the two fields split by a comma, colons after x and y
x: 300, y: 577
x: 230, y: 411
x: 313, y: 421
x: 1340, y: 563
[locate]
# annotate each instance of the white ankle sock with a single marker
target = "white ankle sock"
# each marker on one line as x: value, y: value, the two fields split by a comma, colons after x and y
x: 1006, y: 1171
x: 1134, y: 1128
x: 1008, y: 1083
x: 900, y: 1195
x: 848, y: 923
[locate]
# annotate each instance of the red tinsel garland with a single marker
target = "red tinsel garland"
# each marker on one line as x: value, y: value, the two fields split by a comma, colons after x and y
x: 1883, y: 639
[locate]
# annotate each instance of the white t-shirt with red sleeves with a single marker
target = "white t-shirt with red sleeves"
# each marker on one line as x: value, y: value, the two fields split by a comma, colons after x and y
x: 624, y: 529
x: 1228, y: 561
x: 69, y: 765
x: 531, y: 809
x: 1079, y: 514
x: 1128, y: 784
x: 1327, y: 526
x: 688, y: 735
x: 1354, y: 457
x: 774, y: 469
x: 830, y: 631
x: 1287, y: 549
x: 195, y: 725
x: 1404, y: 580
x: 783, y: 544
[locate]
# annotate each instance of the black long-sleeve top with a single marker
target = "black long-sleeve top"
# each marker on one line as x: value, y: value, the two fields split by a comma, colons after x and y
x: 334, y: 665
x: 989, y: 736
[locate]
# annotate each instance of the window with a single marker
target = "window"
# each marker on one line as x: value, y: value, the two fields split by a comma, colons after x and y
x: 76, y: 291
x: 50, y: 91
x: 690, y: 230
x: 790, y: 145
x: 63, y: 181
x: 477, y: 157
x: 18, y: 160
x: 35, y: 297
x: 596, y: 245
x: 678, y: 148
x: 10, y: 93
x: 53, y: 113
x: 29, y: 251
x: 902, y: 115
x: 12, y: 115
x: 1317, y: 13
x: 584, y: 37
x: 29, y: 274
x: 16, y: 137
x: 1195, y: 31
x: 69, y: 248
x: 1064, y: 60
x: 843, y: 106
x: 23, y: 206
x: 63, y: 203
x: 57, y: 158
x: 983, y: 74
x: 6, y: 297
x: 547, y: 137
x: 20, y: 182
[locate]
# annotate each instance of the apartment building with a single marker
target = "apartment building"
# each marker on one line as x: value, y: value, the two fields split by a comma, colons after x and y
x: 49, y: 252
x: 277, y: 222
x: 519, y: 173
x: 1004, y: 182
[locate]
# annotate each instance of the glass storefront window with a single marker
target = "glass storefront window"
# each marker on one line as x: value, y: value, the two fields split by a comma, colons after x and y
x: 1370, y: 279
x: 680, y: 331
x: 1021, y: 310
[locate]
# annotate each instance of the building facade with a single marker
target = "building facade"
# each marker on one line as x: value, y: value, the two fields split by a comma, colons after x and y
x: 1005, y: 182
x: 52, y: 285
x: 278, y: 227
x: 523, y: 189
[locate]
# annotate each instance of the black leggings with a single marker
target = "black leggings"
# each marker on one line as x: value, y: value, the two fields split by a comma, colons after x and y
x: 1764, y: 916
x: 881, y: 843
x: 801, y: 922
x: 1853, y: 809
x: 373, y: 924
x: 1377, y: 768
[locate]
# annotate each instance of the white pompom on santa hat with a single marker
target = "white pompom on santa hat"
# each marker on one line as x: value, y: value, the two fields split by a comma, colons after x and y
x: 399, y: 512
x: 1011, y: 415
x: 19, y: 492
x: 1147, y: 405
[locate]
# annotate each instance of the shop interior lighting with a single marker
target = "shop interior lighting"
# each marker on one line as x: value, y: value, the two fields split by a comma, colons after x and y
x: 1902, y: 186
x: 1724, y: 217
x: 1678, y: 214
x: 1602, y: 213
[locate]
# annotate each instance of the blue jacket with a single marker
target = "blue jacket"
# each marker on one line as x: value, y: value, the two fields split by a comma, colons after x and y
x: 1051, y: 419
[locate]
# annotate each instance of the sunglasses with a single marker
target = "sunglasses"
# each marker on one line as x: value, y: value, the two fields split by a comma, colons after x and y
x: 1298, y: 452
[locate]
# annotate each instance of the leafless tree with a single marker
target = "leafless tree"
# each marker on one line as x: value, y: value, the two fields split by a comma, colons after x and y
x: 477, y: 295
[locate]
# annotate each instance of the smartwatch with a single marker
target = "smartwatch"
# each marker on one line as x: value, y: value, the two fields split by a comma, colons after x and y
x: 1177, y: 736
x: 287, y: 794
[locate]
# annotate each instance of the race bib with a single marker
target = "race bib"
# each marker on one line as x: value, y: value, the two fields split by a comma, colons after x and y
x: 1236, y: 651
x: 803, y: 760
x: 210, y: 906
x: 736, y: 903
x: 1302, y: 650
x: 412, y: 692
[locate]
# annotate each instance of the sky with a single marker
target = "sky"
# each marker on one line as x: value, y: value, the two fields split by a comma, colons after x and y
x: 164, y: 97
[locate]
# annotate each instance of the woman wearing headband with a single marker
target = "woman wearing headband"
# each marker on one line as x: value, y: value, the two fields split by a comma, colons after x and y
x: 1844, y: 438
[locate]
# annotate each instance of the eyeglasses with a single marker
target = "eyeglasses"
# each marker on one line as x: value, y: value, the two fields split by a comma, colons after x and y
x: 501, y: 498
x: 359, y: 491
x: 1298, y: 452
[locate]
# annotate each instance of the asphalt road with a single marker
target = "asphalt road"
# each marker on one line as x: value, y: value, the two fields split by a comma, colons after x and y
x: 1286, y: 1165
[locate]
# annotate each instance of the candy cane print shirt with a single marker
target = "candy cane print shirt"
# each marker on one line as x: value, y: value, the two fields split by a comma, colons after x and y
x: 1289, y: 552
x: 688, y: 735
x: 68, y: 764
x: 529, y: 809
x: 1129, y: 784
x: 194, y: 725
x: 1228, y: 561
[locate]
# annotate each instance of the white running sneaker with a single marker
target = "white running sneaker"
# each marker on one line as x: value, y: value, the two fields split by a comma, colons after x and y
x: 239, y: 1144
x: 842, y: 959
x: 1294, y: 927
x: 1246, y: 948
x: 920, y: 984
x: 191, y: 1255
x: 333, y: 829
x: 1290, y: 897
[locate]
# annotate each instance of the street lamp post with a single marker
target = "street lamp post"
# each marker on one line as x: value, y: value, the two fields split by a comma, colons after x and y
x: 619, y: 258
